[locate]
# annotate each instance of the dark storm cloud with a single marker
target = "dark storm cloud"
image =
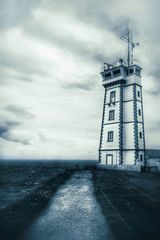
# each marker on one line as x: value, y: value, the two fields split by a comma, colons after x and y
x: 10, y: 138
x: 18, y: 140
x: 5, y: 132
x: 5, y: 126
x: 19, y: 111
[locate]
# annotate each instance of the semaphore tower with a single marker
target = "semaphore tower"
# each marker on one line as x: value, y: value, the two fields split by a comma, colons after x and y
x: 122, y: 138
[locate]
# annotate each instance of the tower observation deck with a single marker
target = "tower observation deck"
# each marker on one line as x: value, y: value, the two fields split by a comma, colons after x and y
x: 122, y: 137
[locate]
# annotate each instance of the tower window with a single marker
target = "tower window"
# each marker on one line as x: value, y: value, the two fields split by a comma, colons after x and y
x: 141, y: 157
x: 139, y: 112
x: 112, y: 96
x: 108, y: 75
x: 138, y: 93
x: 131, y: 71
x: 138, y: 71
x: 110, y: 136
x: 140, y: 134
x: 111, y: 114
x: 116, y: 72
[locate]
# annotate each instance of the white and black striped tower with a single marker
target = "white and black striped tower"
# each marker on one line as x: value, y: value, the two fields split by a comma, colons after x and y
x: 122, y: 138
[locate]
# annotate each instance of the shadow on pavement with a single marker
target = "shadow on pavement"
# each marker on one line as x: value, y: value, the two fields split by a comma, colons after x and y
x: 15, y: 219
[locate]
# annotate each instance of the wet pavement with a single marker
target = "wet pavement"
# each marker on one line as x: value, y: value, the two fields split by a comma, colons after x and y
x: 72, y: 214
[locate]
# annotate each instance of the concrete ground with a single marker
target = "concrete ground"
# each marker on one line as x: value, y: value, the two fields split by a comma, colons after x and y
x: 130, y: 202
x: 73, y: 214
x: 89, y: 205
x: 95, y: 205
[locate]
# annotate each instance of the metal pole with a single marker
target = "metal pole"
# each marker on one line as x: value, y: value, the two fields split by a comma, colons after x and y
x: 128, y: 48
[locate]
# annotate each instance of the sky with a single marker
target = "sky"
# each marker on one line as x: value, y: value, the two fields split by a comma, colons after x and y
x: 51, y: 54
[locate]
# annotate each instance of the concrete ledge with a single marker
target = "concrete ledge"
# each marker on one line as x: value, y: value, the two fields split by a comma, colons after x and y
x: 150, y: 169
x: 153, y: 165
x: 135, y: 168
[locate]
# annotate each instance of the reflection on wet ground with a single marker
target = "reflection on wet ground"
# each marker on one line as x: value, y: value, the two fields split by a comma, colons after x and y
x: 73, y: 213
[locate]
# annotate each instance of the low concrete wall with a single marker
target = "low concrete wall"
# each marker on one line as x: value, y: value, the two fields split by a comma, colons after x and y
x: 153, y: 164
x: 150, y: 169
x: 135, y: 168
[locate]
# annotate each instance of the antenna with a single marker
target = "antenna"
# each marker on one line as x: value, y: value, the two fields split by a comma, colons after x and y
x: 131, y: 45
x: 109, y: 66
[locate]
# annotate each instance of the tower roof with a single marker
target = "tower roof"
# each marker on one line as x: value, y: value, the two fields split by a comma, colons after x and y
x: 116, y: 74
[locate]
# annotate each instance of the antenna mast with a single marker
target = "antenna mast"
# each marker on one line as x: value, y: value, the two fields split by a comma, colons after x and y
x: 128, y: 59
x: 131, y: 45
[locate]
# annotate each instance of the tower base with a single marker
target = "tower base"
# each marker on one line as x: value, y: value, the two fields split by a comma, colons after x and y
x: 135, y: 168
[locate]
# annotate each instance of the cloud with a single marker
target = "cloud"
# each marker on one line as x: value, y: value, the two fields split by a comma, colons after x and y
x: 73, y: 34
x: 154, y: 92
x: 50, y: 58
x: 77, y: 85
x: 6, y: 134
x: 85, y: 84
x: 6, y: 126
x: 19, y: 111
x: 14, y: 12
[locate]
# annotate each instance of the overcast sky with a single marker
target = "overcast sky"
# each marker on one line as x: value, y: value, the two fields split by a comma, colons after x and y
x: 51, y: 54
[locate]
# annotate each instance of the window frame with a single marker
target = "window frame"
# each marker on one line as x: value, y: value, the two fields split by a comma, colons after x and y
x: 114, y: 98
x: 109, y: 155
x: 116, y: 72
x: 140, y: 135
x: 108, y: 75
x: 138, y: 71
x: 111, y: 116
x: 131, y: 71
x: 139, y: 112
x: 110, y: 136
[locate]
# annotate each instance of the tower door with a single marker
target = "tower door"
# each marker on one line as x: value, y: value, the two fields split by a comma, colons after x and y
x: 109, y: 159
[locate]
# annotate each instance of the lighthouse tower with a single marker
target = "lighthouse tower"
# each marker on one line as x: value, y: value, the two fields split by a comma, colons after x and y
x: 122, y: 138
